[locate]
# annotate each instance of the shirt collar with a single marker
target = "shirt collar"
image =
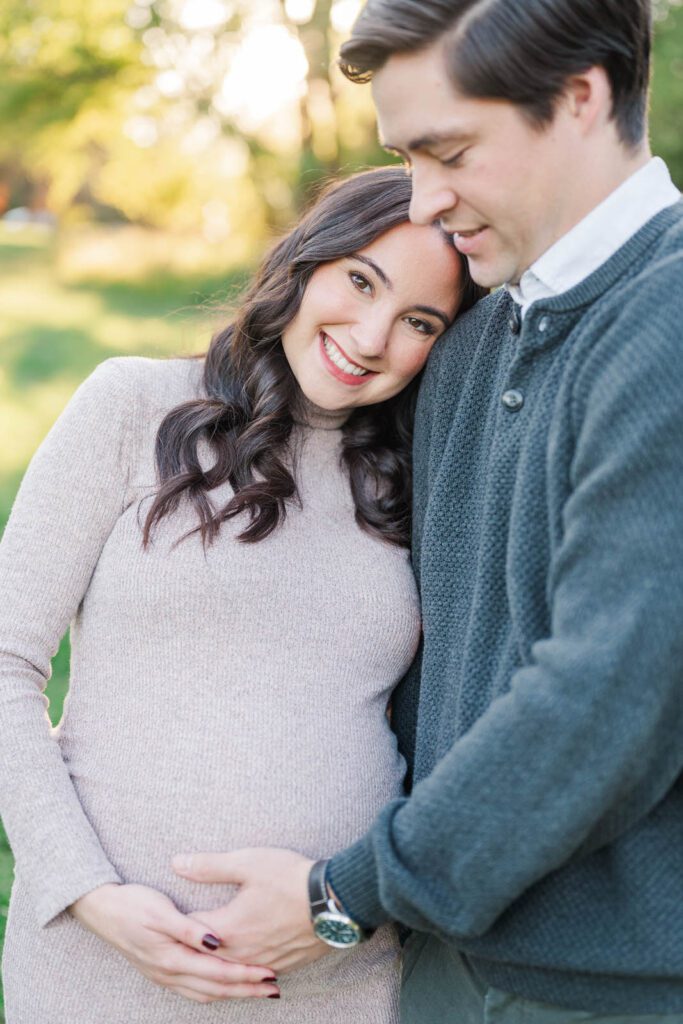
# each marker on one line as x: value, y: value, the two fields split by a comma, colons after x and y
x: 599, y: 235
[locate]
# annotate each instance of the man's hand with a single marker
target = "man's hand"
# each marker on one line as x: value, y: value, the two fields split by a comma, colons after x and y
x: 268, y: 922
x: 166, y: 946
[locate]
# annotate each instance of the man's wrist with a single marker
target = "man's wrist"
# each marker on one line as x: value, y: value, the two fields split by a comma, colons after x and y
x: 333, y: 896
x: 331, y: 923
x: 353, y: 875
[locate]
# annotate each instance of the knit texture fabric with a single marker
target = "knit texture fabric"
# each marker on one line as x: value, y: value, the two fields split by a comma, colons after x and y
x: 544, y: 832
x: 218, y: 700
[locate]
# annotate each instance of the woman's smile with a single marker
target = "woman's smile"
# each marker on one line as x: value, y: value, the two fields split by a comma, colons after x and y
x: 340, y: 366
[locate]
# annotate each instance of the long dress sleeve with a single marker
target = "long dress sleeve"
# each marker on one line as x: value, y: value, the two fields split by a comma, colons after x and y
x: 68, y: 503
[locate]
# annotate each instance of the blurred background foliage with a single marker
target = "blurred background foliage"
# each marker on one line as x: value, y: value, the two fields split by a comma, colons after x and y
x: 219, y: 113
x: 148, y: 150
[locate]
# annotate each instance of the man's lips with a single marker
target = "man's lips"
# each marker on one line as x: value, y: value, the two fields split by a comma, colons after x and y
x: 339, y: 365
x: 466, y: 241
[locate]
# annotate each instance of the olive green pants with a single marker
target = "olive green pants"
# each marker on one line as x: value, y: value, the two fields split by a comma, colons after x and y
x: 439, y: 988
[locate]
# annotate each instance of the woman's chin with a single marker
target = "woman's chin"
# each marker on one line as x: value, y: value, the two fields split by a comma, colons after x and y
x: 325, y: 398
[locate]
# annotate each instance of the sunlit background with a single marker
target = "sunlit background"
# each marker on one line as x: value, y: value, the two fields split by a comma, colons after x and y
x: 176, y: 114
x: 148, y: 152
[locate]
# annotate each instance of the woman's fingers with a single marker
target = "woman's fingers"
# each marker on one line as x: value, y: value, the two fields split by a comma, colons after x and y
x: 188, y: 931
x: 194, y: 935
x: 201, y: 991
x: 181, y: 961
x: 170, y: 949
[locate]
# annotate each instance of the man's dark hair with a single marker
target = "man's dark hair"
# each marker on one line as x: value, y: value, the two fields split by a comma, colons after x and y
x: 522, y: 51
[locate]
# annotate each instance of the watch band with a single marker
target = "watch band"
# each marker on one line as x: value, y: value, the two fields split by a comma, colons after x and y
x: 317, y: 889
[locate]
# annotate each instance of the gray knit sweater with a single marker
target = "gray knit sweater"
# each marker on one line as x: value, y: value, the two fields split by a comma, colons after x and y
x: 544, y: 833
x: 216, y: 701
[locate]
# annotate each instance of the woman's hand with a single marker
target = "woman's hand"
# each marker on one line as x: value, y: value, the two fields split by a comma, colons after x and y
x: 166, y: 946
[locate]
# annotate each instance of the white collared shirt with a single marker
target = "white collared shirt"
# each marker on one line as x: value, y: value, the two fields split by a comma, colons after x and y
x: 598, y: 236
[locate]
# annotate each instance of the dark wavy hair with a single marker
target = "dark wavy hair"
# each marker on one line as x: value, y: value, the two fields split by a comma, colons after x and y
x: 252, y: 394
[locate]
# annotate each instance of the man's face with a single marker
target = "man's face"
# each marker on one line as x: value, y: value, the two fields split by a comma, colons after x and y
x: 478, y: 166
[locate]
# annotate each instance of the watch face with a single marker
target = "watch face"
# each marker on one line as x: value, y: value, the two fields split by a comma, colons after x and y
x: 337, y: 930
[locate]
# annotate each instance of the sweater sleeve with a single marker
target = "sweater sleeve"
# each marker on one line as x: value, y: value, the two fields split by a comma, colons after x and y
x: 67, y: 505
x: 589, y: 738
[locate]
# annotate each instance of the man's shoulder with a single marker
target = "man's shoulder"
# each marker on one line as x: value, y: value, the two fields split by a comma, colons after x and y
x: 663, y: 261
x: 463, y: 336
x: 649, y: 301
x: 472, y: 323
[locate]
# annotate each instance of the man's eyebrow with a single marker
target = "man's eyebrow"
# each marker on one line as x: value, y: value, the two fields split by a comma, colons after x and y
x: 429, y: 139
x: 378, y: 270
x: 431, y: 311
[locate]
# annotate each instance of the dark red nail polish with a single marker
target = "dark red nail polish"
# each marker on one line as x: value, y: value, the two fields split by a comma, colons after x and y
x: 272, y: 980
x: 275, y: 995
x: 210, y: 941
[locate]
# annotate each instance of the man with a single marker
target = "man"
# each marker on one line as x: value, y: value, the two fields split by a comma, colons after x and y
x: 539, y: 857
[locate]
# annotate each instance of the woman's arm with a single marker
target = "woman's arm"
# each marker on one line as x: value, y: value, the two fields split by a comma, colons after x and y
x: 70, y: 499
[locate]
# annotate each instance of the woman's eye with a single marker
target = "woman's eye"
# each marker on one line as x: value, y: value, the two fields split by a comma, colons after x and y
x: 361, y: 282
x: 423, y: 326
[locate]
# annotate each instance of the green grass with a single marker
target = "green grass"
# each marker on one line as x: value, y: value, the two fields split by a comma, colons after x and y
x: 53, y: 332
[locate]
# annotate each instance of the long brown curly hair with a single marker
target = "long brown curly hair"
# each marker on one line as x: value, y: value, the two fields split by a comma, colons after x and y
x: 247, y: 416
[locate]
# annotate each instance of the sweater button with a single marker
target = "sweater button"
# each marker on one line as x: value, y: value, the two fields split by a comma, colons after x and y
x: 544, y: 324
x: 515, y: 321
x: 513, y: 400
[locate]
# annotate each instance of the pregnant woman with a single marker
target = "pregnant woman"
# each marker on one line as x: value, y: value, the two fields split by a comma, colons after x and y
x: 228, y: 538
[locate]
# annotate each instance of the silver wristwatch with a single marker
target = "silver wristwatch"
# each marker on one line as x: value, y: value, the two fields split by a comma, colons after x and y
x: 330, y: 923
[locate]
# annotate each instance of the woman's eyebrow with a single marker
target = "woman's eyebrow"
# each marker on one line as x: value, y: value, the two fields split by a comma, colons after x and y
x: 373, y: 266
x: 431, y: 311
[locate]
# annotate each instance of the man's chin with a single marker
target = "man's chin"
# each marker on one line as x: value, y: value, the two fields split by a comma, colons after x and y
x: 486, y: 275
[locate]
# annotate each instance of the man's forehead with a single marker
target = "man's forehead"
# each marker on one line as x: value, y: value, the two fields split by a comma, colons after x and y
x: 420, y: 110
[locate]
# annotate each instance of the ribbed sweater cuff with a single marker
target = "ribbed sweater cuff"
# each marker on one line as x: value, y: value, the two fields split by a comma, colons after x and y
x: 354, y: 879
x: 53, y: 904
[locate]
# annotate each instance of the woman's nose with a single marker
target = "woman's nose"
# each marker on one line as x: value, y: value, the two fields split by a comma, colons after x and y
x: 371, y: 336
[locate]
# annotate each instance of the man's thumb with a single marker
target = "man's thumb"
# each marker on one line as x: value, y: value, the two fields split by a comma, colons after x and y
x: 210, y: 867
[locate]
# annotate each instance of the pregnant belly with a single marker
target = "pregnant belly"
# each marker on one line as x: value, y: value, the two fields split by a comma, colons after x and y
x: 175, y: 791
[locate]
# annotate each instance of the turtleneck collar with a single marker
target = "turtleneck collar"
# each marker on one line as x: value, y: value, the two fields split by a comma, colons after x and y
x: 307, y: 414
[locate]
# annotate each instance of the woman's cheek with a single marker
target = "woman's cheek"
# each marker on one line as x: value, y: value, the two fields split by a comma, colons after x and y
x: 412, y: 360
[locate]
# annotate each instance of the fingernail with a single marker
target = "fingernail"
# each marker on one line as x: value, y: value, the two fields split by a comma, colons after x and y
x: 275, y: 995
x: 182, y: 862
x: 273, y: 980
x: 211, y: 941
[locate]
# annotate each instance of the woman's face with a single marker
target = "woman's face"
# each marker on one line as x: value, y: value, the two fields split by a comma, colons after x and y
x: 367, y: 322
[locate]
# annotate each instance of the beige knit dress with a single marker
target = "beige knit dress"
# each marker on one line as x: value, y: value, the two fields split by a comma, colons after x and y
x: 221, y: 700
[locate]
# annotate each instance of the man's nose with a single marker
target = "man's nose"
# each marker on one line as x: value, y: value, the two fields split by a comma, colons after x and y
x: 431, y: 197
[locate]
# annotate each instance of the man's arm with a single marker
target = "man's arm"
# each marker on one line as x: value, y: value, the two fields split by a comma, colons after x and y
x: 590, y: 736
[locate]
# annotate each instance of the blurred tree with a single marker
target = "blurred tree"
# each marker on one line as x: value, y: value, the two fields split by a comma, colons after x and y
x: 319, y: 154
x: 667, y: 90
x: 65, y: 66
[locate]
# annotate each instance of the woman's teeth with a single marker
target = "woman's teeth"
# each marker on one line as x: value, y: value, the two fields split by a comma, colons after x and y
x: 339, y: 360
